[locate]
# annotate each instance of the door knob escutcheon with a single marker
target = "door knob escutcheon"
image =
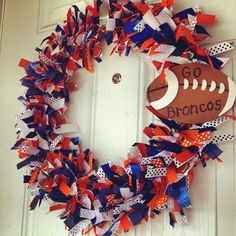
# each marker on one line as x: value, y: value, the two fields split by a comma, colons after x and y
x: 116, y: 78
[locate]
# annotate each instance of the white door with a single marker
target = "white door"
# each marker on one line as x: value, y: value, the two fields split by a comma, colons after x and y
x: 111, y: 118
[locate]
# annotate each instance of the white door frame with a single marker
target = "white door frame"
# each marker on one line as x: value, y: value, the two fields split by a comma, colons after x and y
x: 2, y: 5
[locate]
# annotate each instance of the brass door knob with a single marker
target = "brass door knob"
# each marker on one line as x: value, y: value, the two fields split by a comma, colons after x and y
x: 116, y: 78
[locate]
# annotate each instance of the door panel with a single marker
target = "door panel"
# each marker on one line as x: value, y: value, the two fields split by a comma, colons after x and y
x: 115, y: 108
x: 111, y: 118
x: 53, y: 12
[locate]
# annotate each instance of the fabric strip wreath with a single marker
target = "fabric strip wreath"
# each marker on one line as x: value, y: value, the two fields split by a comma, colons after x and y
x: 157, y: 175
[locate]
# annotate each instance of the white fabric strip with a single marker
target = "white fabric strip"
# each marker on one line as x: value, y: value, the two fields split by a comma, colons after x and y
x: 216, y: 122
x: 88, y: 214
x: 162, y: 17
x: 54, y: 143
x: 66, y: 128
x: 224, y: 60
x: 24, y: 114
x: 147, y: 160
x: 192, y: 22
x: 76, y: 230
x: 164, y: 51
x: 126, y: 206
x: 222, y: 138
x: 140, y: 26
x: 150, y: 19
x: 219, y: 48
x: 151, y: 173
x: 178, y: 60
x: 110, y: 24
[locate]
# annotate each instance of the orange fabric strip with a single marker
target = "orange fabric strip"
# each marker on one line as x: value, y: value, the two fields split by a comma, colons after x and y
x: 34, y: 175
x: 157, y: 64
x: 147, y: 44
x: 57, y: 207
x: 143, y: 8
x: 130, y: 160
x: 153, y: 203
x: 148, y: 132
x: 22, y: 154
x: 176, y: 206
x: 93, y: 11
x: 171, y: 174
x: 161, y: 131
x: 64, y: 188
x: 154, y: 112
x: 162, y: 200
x: 90, y: 162
x: 65, y: 143
x: 184, y: 156
x: 184, y: 31
x: 125, y: 222
x: 162, y: 76
x: 23, y: 62
x: 153, y: 49
x: 80, y: 160
x: 190, y: 134
x: 191, y: 176
x: 206, y: 19
x: 70, y: 156
x: 199, y: 38
x: 101, y: 185
x: 90, y: 229
x: 167, y: 3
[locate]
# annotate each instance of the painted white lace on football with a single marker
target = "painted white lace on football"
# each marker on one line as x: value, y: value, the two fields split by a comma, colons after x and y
x: 222, y: 88
x: 186, y: 83
x: 195, y: 84
x: 203, y: 85
x: 213, y: 86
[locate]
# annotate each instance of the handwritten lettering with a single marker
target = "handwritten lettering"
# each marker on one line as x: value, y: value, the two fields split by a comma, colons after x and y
x: 187, y: 73
x: 193, y: 109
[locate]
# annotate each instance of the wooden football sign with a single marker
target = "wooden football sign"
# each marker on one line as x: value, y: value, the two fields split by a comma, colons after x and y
x: 192, y: 93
